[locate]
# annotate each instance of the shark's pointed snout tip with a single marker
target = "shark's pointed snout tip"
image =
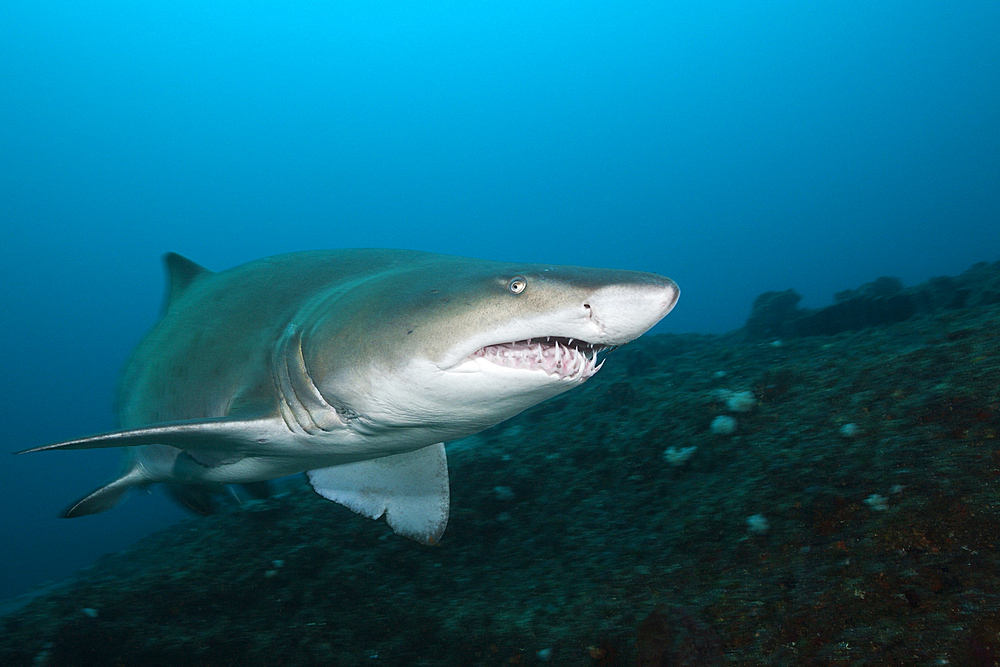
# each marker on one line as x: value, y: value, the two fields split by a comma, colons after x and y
x: 671, y: 292
x: 659, y: 292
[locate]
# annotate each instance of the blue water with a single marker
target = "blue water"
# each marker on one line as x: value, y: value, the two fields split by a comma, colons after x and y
x: 736, y: 147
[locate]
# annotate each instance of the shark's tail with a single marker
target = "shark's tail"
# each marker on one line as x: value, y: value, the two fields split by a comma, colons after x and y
x: 111, y: 494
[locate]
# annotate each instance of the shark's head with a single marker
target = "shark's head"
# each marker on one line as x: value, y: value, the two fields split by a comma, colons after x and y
x: 466, y: 343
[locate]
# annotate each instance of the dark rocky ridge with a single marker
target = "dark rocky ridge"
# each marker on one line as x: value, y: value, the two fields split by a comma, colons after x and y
x: 880, y: 302
x: 599, y: 549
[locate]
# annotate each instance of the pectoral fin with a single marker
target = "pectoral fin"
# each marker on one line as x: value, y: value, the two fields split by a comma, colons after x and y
x: 411, y: 489
x: 211, y: 442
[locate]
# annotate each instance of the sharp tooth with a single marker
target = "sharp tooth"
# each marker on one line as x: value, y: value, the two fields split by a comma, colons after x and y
x: 570, y: 341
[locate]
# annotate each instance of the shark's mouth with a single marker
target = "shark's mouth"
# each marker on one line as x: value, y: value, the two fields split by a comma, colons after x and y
x: 566, y: 358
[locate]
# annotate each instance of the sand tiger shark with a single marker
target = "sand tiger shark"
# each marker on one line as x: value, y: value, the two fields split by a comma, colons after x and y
x: 355, y: 366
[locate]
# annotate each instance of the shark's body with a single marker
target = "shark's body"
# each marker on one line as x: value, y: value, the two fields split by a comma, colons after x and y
x: 355, y: 365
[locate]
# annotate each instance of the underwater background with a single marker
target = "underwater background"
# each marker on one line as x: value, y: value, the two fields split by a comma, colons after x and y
x: 738, y: 148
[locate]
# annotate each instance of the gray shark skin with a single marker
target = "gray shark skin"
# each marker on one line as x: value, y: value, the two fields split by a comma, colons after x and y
x: 354, y: 366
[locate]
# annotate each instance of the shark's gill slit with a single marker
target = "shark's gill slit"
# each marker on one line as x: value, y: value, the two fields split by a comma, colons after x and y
x: 304, y: 406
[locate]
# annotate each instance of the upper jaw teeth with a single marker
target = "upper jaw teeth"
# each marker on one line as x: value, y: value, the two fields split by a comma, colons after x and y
x: 562, y: 357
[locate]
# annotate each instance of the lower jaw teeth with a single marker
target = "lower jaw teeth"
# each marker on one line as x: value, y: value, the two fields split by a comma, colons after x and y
x: 560, y: 360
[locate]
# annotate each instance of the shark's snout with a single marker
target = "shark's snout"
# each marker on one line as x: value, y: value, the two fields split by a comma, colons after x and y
x: 567, y: 342
x: 624, y: 311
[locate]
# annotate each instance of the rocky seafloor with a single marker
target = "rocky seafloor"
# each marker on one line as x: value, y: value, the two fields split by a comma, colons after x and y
x: 851, y: 518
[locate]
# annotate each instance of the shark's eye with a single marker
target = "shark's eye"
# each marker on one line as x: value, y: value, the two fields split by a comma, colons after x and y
x: 517, y: 284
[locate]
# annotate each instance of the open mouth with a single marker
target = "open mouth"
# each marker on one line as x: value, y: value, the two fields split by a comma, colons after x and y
x: 566, y: 358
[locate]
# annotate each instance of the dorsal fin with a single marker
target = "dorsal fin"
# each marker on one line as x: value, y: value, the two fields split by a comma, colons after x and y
x: 181, y: 272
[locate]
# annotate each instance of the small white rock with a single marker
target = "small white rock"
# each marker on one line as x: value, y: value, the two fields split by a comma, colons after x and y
x: 678, y: 457
x: 504, y: 493
x: 723, y: 425
x: 850, y: 430
x: 877, y: 502
x: 741, y: 401
x: 758, y: 524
